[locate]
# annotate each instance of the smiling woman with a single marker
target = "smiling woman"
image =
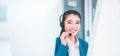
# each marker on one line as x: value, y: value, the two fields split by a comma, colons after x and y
x: 68, y: 44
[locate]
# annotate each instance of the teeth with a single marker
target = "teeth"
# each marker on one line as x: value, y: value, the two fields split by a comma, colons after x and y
x: 73, y: 31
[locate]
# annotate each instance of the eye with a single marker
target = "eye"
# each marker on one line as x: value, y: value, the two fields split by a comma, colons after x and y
x: 78, y: 22
x: 69, y: 22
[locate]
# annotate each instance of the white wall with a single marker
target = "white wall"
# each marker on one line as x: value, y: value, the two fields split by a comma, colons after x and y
x: 32, y: 26
x: 106, y: 36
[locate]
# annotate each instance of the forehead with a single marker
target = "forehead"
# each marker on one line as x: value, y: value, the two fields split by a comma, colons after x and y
x: 72, y: 17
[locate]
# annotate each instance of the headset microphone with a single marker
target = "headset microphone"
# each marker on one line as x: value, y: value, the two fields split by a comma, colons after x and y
x: 70, y: 34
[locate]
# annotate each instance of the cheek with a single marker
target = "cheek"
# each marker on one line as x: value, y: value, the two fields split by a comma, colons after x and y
x: 78, y: 28
x: 67, y: 27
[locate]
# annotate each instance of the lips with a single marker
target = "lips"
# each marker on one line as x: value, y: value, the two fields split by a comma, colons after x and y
x: 73, y: 31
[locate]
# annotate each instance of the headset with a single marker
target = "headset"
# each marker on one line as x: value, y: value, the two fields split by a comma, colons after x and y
x: 61, y: 21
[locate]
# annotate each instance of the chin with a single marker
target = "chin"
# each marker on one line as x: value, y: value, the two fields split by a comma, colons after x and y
x: 74, y: 34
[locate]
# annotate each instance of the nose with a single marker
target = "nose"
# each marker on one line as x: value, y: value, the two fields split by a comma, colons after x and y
x: 73, y: 26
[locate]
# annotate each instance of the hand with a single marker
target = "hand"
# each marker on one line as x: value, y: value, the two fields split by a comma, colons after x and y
x: 63, y: 38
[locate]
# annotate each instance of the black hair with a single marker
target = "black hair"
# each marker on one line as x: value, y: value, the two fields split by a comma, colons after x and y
x: 64, y: 18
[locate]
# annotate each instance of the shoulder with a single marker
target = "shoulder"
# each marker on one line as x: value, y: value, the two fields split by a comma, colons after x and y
x: 58, y: 40
x: 83, y: 42
x: 84, y: 46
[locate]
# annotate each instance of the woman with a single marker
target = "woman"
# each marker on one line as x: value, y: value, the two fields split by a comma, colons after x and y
x: 68, y: 44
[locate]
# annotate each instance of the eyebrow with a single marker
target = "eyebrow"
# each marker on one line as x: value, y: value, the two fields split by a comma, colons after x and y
x: 78, y: 21
x: 71, y: 20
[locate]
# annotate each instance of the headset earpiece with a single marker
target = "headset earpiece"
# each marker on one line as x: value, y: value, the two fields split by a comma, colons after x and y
x: 60, y: 20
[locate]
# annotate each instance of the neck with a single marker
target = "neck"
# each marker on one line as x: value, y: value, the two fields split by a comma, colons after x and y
x: 73, y: 39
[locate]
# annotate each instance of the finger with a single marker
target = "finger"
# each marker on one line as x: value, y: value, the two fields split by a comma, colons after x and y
x: 64, y: 35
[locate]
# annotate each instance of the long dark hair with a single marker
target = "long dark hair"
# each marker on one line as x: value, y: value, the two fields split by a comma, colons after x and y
x: 64, y: 18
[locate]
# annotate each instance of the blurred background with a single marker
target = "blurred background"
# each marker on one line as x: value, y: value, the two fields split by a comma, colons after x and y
x: 30, y: 27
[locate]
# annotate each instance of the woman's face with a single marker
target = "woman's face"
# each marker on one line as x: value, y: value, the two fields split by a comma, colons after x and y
x: 72, y: 24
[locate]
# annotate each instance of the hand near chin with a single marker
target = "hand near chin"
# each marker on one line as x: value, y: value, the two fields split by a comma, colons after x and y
x: 63, y: 37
